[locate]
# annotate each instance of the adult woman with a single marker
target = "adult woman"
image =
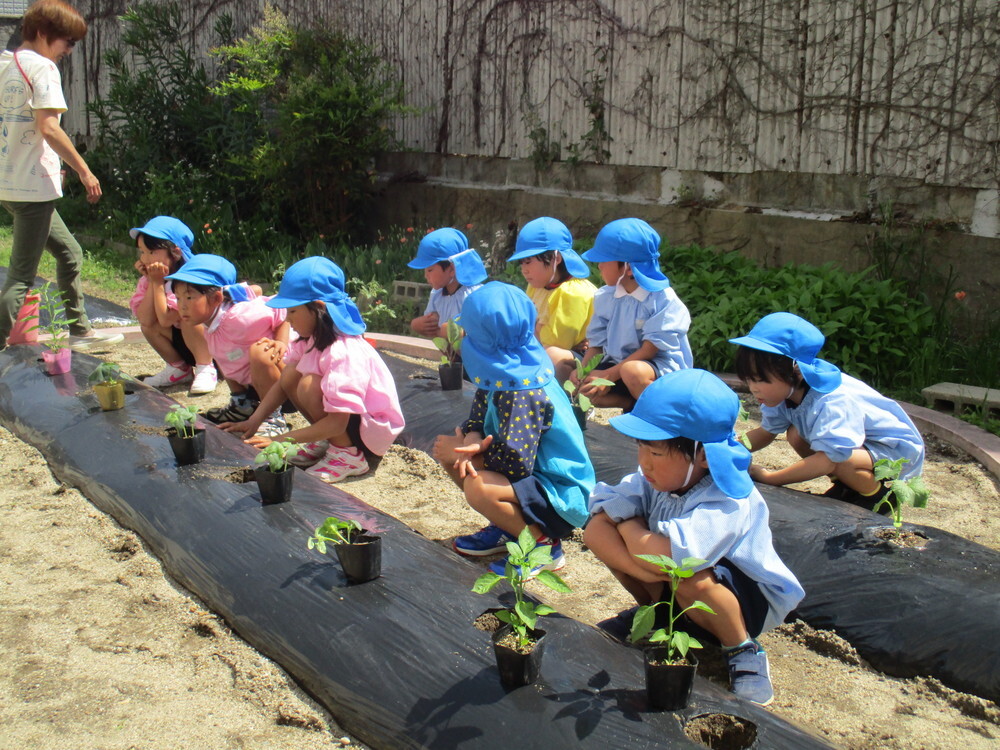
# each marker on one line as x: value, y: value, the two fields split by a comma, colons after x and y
x: 31, y: 144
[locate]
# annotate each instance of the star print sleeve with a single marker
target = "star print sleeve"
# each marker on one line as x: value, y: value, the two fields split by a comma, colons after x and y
x: 524, y: 416
x: 477, y: 414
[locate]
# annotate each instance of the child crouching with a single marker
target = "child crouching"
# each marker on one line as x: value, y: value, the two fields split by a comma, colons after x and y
x: 694, y: 498
x: 334, y: 377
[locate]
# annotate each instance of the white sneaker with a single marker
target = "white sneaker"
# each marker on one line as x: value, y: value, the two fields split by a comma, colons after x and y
x: 205, y: 379
x: 93, y: 339
x: 273, y: 426
x: 169, y: 376
x: 340, y: 463
x: 309, y: 454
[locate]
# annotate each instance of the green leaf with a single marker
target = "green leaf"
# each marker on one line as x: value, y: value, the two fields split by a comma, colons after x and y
x: 702, y: 606
x: 526, y: 612
x: 642, y: 623
x: 544, y: 609
x: 553, y: 581
x: 602, y: 381
x: 584, y: 402
x: 920, y: 492
x: 485, y: 582
x: 903, y: 493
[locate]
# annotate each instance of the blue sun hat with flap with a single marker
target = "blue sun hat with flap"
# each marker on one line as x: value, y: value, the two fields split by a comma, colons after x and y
x: 635, y: 242
x: 206, y: 269
x: 547, y: 234
x: 796, y: 338
x: 500, y: 351
x: 451, y: 245
x: 696, y: 405
x: 319, y: 279
x: 170, y: 229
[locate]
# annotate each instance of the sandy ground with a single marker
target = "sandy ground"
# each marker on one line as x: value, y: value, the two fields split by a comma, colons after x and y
x: 100, y: 649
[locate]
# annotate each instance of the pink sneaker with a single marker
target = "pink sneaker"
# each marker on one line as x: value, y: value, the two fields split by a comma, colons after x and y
x: 309, y: 454
x: 169, y: 376
x: 339, y: 463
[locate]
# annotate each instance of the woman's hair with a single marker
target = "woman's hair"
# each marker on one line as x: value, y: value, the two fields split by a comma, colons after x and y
x: 761, y: 366
x: 682, y: 445
x: 562, y: 273
x: 54, y: 19
x: 325, y: 332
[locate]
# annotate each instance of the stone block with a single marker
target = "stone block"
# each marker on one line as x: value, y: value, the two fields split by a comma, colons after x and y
x: 958, y: 398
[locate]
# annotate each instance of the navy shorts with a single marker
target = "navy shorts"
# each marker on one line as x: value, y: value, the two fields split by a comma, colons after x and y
x: 536, y: 508
x: 177, y: 339
x: 753, y: 603
x: 354, y: 433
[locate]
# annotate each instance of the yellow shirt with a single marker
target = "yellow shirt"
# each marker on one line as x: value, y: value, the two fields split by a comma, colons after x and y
x: 564, y: 312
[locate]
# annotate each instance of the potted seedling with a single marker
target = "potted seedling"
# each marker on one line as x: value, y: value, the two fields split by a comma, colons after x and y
x: 274, y: 475
x: 670, y: 668
x: 581, y: 404
x: 518, y: 645
x: 58, y: 355
x: 359, y: 553
x: 108, y: 383
x: 901, y: 492
x: 450, y: 369
x: 187, y: 442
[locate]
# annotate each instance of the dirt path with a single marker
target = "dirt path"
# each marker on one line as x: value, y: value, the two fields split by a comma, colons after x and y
x: 116, y: 656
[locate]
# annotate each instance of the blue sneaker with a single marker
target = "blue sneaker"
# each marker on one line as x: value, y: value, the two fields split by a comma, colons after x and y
x: 487, y: 541
x: 558, y: 562
x: 750, y: 674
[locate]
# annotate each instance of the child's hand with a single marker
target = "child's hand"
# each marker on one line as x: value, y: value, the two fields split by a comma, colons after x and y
x: 428, y: 325
x: 759, y: 474
x: 243, y: 429
x: 157, y: 271
x: 140, y: 267
x: 466, y: 453
x: 270, y: 350
x: 589, y: 390
x: 258, y: 441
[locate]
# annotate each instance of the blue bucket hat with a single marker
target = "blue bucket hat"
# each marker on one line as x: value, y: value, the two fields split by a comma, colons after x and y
x: 798, y: 339
x: 319, y: 279
x: 696, y: 405
x: 451, y: 245
x: 634, y: 242
x: 206, y: 269
x: 545, y: 234
x: 170, y: 229
x: 500, y: 351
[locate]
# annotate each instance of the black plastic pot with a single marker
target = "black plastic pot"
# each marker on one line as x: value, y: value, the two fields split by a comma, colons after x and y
x: 275, y: 487
x: 668, y: 686
x: 187, y: 450
x: 517, y: 669
x: 451, y: 376
x: 581, y: 416
x: 361, y: 560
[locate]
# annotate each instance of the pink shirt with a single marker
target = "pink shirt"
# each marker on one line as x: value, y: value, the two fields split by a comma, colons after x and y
x: 234, y: 329
x: 355, y: 380
x: 142, y: 288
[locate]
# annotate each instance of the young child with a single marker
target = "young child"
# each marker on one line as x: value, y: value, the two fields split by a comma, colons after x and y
x: 246, y: 338
x: 453, y: 270
x: 559, y: 286
x: 164, y: 244
x: 520, y: 457
x: 335, y: 378
x: 640, y: 324
x: 837, y: 424
x: 694, y: 498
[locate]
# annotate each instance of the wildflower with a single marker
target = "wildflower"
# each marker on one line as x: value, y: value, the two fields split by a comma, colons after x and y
x: 190, y: 201
x: 378, y: 262
x: 322, y: 236
x: 429, y: 230
x: 409, y: 229
x: 208, y: 231
x: 959, y: 296
x: 206, y: 226
x: 468, y: 226
x: 402, y: 239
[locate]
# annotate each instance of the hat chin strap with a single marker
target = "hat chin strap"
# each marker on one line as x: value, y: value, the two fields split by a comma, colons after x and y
x: 687, y: 478
x: 556, y: 257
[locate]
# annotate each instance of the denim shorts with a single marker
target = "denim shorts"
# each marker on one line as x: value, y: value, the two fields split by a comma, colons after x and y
x: 536, y: 508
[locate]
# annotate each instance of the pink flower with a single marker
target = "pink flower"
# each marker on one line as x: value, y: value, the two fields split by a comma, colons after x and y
x: 378, y: 263
x: 959, y: 296
x: 206, y: 226
x: 468, y: 226
x: 208, y: 231
x: 402, y: 239
x: 409, y: 229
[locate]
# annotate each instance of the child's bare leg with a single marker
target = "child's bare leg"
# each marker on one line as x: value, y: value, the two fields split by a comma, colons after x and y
x: 264, y: 372
x: 194, y: 337
x: 613, y: 401
x: 491, y: 494
x: 236, y: 388
x: 727, y: 623
x: 159, y: 337
x: 602, y: 538
x: 309, y: 400
x: 798, y: 443
x: 637, y: 375
x: 563, y: 361
x: 857, y: 472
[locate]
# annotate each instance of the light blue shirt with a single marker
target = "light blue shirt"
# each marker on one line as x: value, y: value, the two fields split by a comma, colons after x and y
x: 706, y: 524
x: 623, y: 320
x: 851, y: 416
x: 448, y: 306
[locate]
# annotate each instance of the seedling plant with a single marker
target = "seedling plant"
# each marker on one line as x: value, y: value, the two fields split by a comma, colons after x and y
x: 276, y: 455
x: 524, y: 556
x: 182, y: 419
x: 108, y: 373
x: 677, y: 642
x: 451, y: 345
x: 582, y: 371
x: 910, y: 492
x: 334, y: 531
x: 51, y: 303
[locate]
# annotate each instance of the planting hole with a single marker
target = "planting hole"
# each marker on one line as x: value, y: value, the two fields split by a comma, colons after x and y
x: 488, y: 621
x: 721, y: 731
x: 242, y: 475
